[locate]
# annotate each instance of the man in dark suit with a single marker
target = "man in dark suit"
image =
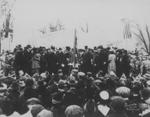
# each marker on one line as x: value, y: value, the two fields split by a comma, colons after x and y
x: 87, y: 58
x: 68, y: 58
x: 27, y: 59
x: 101, y: 60
x: 43, y: 61
x: 51, y: 59
x: 19, y: 60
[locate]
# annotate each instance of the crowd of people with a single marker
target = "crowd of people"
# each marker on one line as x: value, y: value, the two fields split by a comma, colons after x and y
x: 56, y: 82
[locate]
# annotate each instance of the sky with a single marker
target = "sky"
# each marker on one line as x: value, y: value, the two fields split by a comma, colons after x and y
x: 103, y: 18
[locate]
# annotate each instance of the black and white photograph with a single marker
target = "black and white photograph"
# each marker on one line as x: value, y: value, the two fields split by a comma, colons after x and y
x: 74, y: 58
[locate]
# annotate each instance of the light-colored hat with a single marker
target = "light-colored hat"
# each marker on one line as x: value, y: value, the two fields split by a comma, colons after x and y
x: 43, y: 75
x: 146, y: 76
x: 32, y: 101
x: 75, y: 70
x: 82, y: 74
x: 104, y: 95
x: 123, y: 91
x: 45, y: 113
x: 111, y: 73
x: 148, y: 82
x: 97, y: 81
x: 21, y: 73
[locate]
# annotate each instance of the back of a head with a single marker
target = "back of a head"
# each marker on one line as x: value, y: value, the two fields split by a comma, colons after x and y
x: 74, y: 111
x: 118, y: 104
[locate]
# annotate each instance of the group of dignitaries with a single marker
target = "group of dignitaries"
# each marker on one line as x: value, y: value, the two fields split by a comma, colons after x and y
x: 38, y: 60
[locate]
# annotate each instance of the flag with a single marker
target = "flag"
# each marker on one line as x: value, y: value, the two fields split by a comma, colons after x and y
x: 56, y: 27
x: 127, y: 31
x: 86, y: 30
x: 7, y: 26
x: 52, y: 28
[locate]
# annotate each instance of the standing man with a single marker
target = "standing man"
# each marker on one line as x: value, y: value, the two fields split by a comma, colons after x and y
x: 87, y: 59
x: 19, y: 60
x: 51, y: 59
x: 27, y: 59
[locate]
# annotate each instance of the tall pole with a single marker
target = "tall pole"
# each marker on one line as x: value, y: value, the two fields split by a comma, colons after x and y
x: 1, y: 35
x: 75, y: 47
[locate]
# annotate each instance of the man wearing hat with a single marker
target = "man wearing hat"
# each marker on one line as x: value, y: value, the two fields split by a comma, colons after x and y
x: 68, y: 58
x: 60, y: 58
x: 51, y: 59
x: 87, y: 58
x: 27, y: 59
x: 57, y: 105
x: 19, y: 60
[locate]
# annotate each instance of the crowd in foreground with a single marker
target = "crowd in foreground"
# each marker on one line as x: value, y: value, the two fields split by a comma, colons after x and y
x: 98, y: 82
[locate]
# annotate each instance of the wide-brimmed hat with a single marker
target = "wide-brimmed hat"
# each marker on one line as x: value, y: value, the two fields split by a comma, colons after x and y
x: 123, y: 91
x: 32, y: 101
x: 81, y: 74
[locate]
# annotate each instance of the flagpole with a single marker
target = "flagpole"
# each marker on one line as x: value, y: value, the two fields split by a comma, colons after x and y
x: 1, y: 35
x: 75, y: 47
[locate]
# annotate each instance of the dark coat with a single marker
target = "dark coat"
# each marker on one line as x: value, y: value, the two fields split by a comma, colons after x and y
x: 51, y: 59
x: 30, y: 93
x: 27, y: 62
x: 19, y: 60
x: 86, y: 65
x: 115, y: 114
x: 43, y: 63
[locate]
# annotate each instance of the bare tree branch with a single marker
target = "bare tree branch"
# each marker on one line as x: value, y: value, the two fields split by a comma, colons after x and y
x: 143, y: 41
x: 148, y: 34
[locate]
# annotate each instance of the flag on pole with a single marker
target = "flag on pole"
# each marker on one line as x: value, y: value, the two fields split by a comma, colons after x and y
x: 127, y: 31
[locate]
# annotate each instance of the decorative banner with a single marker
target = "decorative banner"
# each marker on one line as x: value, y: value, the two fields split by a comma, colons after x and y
x: 86, y: 29
x: 127, y: 32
